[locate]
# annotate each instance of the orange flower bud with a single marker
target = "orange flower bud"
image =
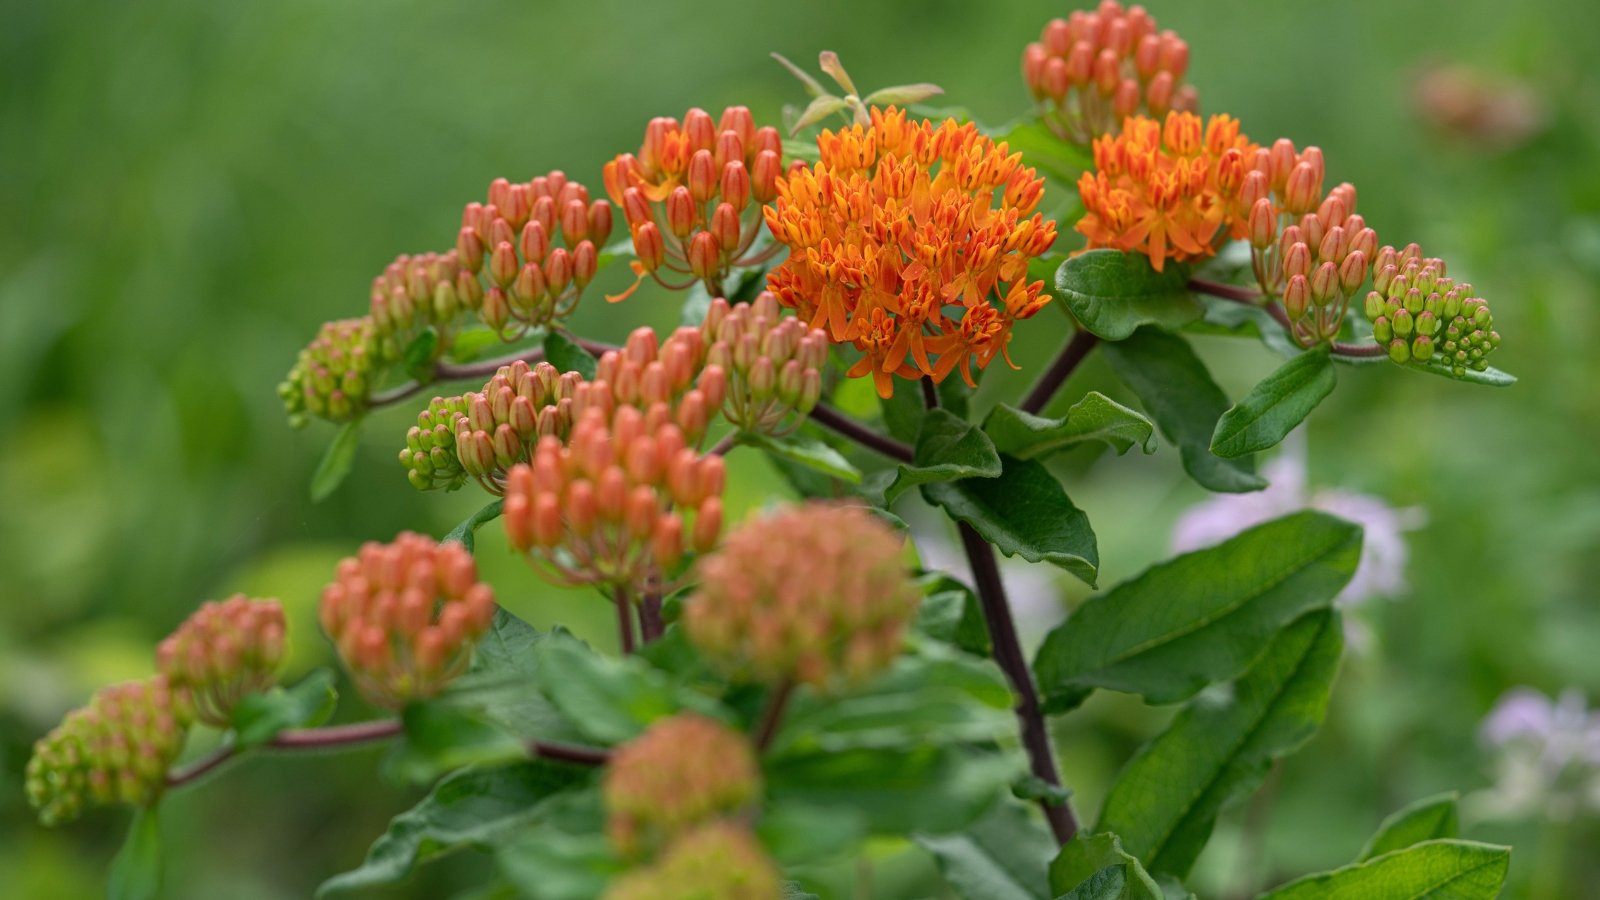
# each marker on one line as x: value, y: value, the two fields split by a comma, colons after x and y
x: 682, y: 212
x: 725, y: 226
x: 704, y: 255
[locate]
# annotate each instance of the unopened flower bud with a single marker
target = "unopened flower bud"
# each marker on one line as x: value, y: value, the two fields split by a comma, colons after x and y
x: 224, y: 651
x: 683, y: 771
x: 704, y: 255
x: 1296, y: 296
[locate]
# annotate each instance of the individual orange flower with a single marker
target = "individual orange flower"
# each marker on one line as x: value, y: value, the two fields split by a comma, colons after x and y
x: 1166, y: 190
x: 904, y: 237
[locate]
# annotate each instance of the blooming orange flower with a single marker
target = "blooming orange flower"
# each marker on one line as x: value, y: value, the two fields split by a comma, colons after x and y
x: 902, y: 236
x: 1166, y: 190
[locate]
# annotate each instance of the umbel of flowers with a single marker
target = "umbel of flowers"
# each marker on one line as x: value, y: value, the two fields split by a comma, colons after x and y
x: 405, y: 615
x: 224, y: 651
x: 774, y: 363
x: 719, y: 861
x: 115, y: 750
x: 814, y: 594
x: 1090, y: 71
x: 684, y: 771
x: 911, y: 241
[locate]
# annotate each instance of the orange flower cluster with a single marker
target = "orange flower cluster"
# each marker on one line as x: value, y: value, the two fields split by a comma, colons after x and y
x: 1092, y: 70
x: 528, y: 277
x: 224, y: 651
x: 900, y: 223
x: 404, y: 617
x: 682, y: 772
x: 811, y: 594
x: 687, y: 195
x: 1167, y: 190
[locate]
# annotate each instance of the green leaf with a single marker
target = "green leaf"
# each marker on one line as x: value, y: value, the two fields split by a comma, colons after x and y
x: 420, y: 354
x: 560, y: 351
x: 1427, y: 819
x: 796, y: 833
x: 441, y: 736
x: 929, y: 790
x: 807, y: 451
x: 947, y: 448
x: 1179, y: 394
x: 1244, y: 320
x: 136, y: 870
x: 503, y: 683
x: 1275, y: 406
x: 1094, y: 418
x: 1025, y: 512
x: 937, y: 695
x: 547, y: 862
x: 1491, y: 376
x: 473, y: 807
x: 1432, y: 870
x: 1097, y: 868
x: 466, y: 534
x: 469, y: 344
x: 1201, y: 617
x: 950, y: 613
x: 793, y: 891
x: 1043, y: 150
x: 608, y: 699
x: 258, y: 718
x: 1112, y: 293
x: 1003, y: 856
x: 337, y: 460
x: 1217, y: 749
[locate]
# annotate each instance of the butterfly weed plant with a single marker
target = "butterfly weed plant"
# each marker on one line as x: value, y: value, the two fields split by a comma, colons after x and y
x: 793, y: 684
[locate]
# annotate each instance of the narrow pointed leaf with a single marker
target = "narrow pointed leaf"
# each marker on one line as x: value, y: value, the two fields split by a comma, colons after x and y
x: 1094, y: 418
x: 902, y: 94
x: 466, y: 534
x: 819, y: 109
x: 813, y: 86
x: 1201, y: 617
x: 807, y: 451
x: 136, y: 869
x: 1166, y: 800
x: 337, y: 461
x: 1430, y: 818
x: 1003, y: 856
x: 1112, y: 293
x: 1275, y: 406
x: 1025, y: 512
x: 1177, y: 391
x: 1490, y: 377
x: 1432, y: 870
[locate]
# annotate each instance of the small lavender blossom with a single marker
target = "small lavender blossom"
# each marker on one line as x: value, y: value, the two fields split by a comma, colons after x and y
x: 1546, y: 756
x: 1381, y: 572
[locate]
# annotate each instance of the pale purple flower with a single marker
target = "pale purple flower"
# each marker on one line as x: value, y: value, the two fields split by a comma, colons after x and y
x: 1546, y: 755
x: 1381, y: 571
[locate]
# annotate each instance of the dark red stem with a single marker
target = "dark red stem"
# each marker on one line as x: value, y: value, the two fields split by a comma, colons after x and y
x: 837, y: 422
x: 1054, y: 377
x: 1254, y: 298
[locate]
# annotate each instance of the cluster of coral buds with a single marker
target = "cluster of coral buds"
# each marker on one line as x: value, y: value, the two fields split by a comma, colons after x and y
x: 813, y: 594
x: 115, y: 750
x: 225, y: 651
x: 535, y: 246
x: 899, y: 222
x: 692, y: 195
x: 773, y: 362
x: 1092, y: 70
x: 678, y: 800
x: 404, y: 617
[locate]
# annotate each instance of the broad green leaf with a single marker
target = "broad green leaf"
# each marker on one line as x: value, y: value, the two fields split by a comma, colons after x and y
x: 947, y: 448
x: 904, y: 411
x: 1112, y: 293
x: 468, y: 345
x: 1275, y: 406
x: 1094, y: 418
x: 1165, y: 802
x: 1097, y: 868
x: 504, y: 680
x: 1043, y: 150
x: 466, y: 534
x: 560, y: 351
x: 807, y: 451
x: 937, y: 695
x: 420, y: 354
x: 950, y: 613
x: 1431, y: 870
x: 473, y: 807
x: 551, y: 863
x: 795, y: 833
x: 929, y: 790
x: 1491, y: 376
x: 608, y: 699
x: 1198, y: 618
x: 1177, y: 391
x: 1003, y: 856
x: 1025, y: 512
x: 136, y: 870
x: 1430, y: 818
x: 441, y: 737
x: 1244, y: 320
x: 258, y: 718
x: 337, y: 460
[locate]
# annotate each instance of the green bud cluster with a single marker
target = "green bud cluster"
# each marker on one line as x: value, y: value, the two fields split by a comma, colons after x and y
x: 482, y: 434
x: 115, y: 750
x: 333, y: 378
x: 773, y: 362
x: 1420, y: 315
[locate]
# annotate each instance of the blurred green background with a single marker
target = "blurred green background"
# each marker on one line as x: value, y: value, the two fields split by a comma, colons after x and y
x: 187, y: 189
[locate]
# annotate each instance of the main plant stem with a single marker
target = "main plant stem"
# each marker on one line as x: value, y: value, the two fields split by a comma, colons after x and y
x: 624, y: 619
x: 1055, y: 376
x: 1008, y: 654
x: 839, y: 423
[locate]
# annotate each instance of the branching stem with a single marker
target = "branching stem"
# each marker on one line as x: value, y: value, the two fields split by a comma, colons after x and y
x: 1060, y: 370
x: 1254, y: 298
x: 839, y: 423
